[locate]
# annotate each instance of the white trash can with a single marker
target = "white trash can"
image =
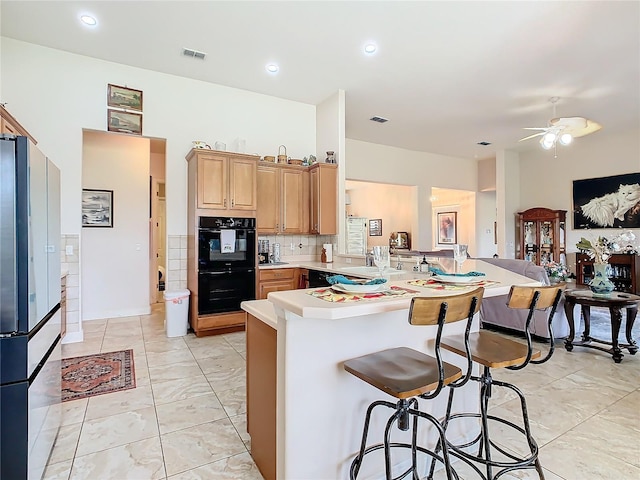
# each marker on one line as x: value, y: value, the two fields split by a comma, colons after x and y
x: 176, y: 312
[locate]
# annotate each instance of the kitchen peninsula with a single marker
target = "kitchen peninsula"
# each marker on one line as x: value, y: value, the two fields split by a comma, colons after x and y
x: 296, y: 344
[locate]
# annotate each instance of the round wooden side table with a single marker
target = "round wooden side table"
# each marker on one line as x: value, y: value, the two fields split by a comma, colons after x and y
x: 615, y: 302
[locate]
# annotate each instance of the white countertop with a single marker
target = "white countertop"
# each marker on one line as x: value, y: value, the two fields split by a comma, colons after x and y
x: 301, y: 303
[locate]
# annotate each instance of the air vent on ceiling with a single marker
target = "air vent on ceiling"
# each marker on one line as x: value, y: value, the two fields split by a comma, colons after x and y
x: 379, y: 119
x: 188, y: 52
x: 484, y: 144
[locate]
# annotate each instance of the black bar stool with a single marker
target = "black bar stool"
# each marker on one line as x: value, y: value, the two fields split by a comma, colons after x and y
x: 407, y: 375
x: 492, y: 350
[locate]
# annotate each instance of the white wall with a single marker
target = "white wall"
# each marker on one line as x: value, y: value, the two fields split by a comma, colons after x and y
x: 548, y: 181
x: 384, y: 164
x: 394, y: 204
x: 55, y: 94
x: 485, y: 224
x: 115, y: 261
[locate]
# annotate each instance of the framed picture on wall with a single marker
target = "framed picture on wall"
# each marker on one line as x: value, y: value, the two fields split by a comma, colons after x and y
x: 97, y: 208
x: 447, y: 223
x: 607, y: 202
x: 123, y: 97
x: 375, y: 227
x: 124, y: 122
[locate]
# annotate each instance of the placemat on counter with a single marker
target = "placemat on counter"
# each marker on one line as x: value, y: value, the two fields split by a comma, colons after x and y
x: 434, y: 284
x: 330, y: 295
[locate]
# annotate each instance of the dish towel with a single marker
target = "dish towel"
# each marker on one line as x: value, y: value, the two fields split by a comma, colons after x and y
x: 227, y: 241
x: 437, y: 271
x: 347, y: 281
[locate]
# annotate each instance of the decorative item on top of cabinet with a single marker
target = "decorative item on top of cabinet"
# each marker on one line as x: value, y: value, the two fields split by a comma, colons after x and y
x: 622, y: 269
x: 541, y: 235
x: 223, y: 183
x: 324, y: 194
x: 283, y: 199
x: 8, y: 124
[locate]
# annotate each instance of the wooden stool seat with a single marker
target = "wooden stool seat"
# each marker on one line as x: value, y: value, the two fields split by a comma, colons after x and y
x: 491, y: 350
x: 401, y: 372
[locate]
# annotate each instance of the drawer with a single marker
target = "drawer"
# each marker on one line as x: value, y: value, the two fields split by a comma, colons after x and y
x: 277, y: 274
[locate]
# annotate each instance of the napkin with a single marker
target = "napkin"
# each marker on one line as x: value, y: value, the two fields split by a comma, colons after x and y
x: 437, y: 271
x: 347, y: 281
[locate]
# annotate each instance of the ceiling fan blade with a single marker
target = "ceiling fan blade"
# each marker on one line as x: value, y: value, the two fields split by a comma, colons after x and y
x: 590, y: 128
x: 535, y: 128
x: 532, y: 136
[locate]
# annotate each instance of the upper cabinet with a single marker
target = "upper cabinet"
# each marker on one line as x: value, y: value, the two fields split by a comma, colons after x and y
x: 283, y: 199
x: 541, y: 235
x: 8, y: 124
x: 324, y: 198
x: 221, y: 182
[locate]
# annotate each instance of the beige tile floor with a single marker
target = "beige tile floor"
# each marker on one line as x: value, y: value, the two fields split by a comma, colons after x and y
x: 185, y: 420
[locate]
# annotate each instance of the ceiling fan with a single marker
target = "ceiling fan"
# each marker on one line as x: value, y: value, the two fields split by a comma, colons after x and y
x: 562, y: 129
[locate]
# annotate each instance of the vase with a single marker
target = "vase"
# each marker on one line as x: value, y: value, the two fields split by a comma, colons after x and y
x: 600, y: 285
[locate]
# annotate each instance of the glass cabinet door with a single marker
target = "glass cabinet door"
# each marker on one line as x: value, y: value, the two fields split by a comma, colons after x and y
x: 530, y: 241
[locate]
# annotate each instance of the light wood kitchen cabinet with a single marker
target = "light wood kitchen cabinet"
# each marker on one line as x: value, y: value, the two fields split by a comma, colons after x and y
x: 8, y: 124
x: 276, y: 280
x: 223, y: 183
x: 324, y: 198
x: 283, y: 199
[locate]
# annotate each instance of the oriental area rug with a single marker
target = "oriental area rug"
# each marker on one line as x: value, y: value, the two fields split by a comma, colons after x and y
x: 97, y: 374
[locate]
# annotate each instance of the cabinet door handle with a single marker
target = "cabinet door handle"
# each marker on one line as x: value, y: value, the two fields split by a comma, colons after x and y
x: 233, y: 203
x: 225, y: 202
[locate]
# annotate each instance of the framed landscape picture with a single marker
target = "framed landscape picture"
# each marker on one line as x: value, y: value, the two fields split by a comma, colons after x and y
x: 124, y: 122
x: 447, y: 223
x: 123, y: 97
x: 97, y: 208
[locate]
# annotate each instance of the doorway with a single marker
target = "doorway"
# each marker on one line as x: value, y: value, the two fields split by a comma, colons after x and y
x: 157, y: 222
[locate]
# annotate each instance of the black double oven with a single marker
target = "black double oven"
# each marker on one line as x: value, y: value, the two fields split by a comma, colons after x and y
x: 226, y: 263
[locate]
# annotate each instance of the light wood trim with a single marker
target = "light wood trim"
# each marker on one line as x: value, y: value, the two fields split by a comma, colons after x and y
x: 8, y: 124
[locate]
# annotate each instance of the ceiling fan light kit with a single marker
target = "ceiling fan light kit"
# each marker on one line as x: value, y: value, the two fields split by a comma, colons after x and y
x: 562, y: 130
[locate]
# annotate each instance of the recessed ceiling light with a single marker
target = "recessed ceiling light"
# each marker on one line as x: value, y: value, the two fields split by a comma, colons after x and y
x: 370, y: 48
x: 88, y: 20
x: 272, y: 68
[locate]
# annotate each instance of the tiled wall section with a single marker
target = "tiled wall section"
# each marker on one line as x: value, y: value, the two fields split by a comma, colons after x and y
x: 177, y: 267
x: 71, y: 263
x: 302, y: 244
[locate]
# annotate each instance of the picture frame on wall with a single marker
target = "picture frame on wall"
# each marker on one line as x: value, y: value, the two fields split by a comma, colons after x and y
x: 124, y: 122
x: 123, y: 97
x: 375, y: 227
x: 447, y: 223
x: 607, y: 202
x: 97, y: 208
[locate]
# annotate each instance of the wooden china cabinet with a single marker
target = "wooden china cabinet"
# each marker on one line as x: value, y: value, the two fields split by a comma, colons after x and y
x: 541, y: 235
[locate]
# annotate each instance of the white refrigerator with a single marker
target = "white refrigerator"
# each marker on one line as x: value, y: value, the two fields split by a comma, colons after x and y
x: 356, y: 236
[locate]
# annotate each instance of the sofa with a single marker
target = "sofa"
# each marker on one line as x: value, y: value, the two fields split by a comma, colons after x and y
x: 494, y: 311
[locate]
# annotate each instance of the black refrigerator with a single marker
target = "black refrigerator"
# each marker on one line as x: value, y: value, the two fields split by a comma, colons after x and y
x: 30, y: 351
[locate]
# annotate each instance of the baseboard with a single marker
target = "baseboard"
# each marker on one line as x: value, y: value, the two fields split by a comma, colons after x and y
x: 73, y: 337
x: 117, y: 313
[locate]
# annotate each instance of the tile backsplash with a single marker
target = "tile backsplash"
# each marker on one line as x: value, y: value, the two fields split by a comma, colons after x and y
x: 297, y: 245
x: 71, y: 263
x: 177, y: 263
